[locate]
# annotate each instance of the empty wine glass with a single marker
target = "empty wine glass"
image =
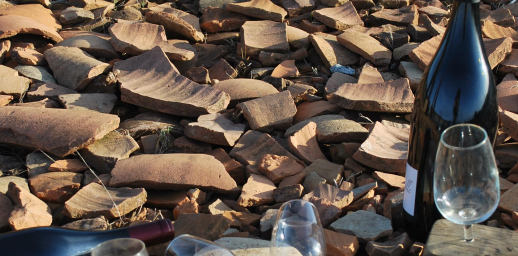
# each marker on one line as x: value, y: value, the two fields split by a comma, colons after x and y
x: 297, y: 231
x: 187, y: 245
x: 121, y: 247
x: 466, y: 185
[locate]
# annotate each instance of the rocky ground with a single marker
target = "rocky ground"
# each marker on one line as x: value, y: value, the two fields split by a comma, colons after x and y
x: 212, y: 113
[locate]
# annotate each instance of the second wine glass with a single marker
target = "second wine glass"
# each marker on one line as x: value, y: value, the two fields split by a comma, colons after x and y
x: 298, y: 231
x: 466, y: 184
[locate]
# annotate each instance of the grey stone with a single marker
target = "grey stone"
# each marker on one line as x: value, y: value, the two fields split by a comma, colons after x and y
x: 41, y: 91
x: 331, y: 172
x: 252, y: 247
x: 95, y: 224
x: 333, y: 129
x: 38, y: 163
x: 312, y: 181
x: 365, y: 225
x: 268, y: 220
x: 100, y: 102
x: 11, y: 164
x: 73, y: 15
x: 39, y: 73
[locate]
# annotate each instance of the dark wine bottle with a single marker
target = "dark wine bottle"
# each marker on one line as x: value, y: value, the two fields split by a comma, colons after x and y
x: 52, y: 241
x: 457, y: 87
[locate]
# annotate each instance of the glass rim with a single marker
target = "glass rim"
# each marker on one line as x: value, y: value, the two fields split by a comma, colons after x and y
x: 464, y: 148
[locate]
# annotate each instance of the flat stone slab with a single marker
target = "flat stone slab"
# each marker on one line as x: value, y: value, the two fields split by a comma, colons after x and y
x: 93, y: 45
x: 509, y: 123
x: 12, y: 83
x: 104, y: 153
x: 100, y: 102
x: 65, y: 131
x: 173, y: 171
x: 365, y: 225
x: 68, y: 165
x: 298, y: 7
x: 138, y: 38
x: 257, y: 191
x: 11, y: 25
x: 403, y: 16
x: 331, y: 172
x: 261, y: 9
x: 337, y: 80
x: 366, y: 46
x: 27, y: 56
x: 74, y: 68
x: 331, y: 52
x: 72, y: 15
x: 215, y: 129
x: 304, y: 144
x: 269, y: 36
x: 510, y: 64
x: 93, y: 200
x: 383, y: 150
x: 163, y: 89
x: 252, y: 147
x: 55, y: 187
x: 393, y: 97
x: 177, y: 21
x: 243, y: 89
x: 269, y: 112
x: 217, y: 20
x: 333, y: 131
x: 340, y: 18
x: 507, y: 93
x: 391, y: 179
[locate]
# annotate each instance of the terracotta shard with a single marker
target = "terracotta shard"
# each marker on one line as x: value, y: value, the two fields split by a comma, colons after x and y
x: 270, y: 112
x: 370, y: 75
x: 36, y: 12
x: 92, y: 44
x: 55, y: 187
x: 341, y: 17
x: 179, y: 22
x: 507, y: 93
x: 243, y: 89
x: 222, y: 71
x: 510, y: 64
x: 254, y: 145
x: 11, y: 25
x: 411, y: 71
x: 220, y: 19
x: 366, y: 46
x: 286, y: 69
x: 74, y: 68
x: 257, y: 36
x: 400, y: 17
x: 215, y: 129
x: 316, y: 108
x: 257, y: 191
x: 510, y: 123
x: 138, y: 38
x: 261, y: 9
x: 337, y: 80
x: 12, y: 84
x: 29, y: 211
x: 304, y: 144
x: 65, y: 131
x: 383, y: 150
x: 93, y: 200
x: 178, y: 171
x: 331, y: 52
x: 276, y: 168
x: 298, y: 7
x: 151, y: 80
x: 394, y: 96
x: 339, y: 198
x: 497, y: 50
x: 423, y: 54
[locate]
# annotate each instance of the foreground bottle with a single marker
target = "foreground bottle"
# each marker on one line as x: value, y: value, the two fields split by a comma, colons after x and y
x: 457, y: 87
x: 67, y: 242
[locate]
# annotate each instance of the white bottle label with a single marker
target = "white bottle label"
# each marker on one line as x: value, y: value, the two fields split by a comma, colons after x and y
x: 410, y: 187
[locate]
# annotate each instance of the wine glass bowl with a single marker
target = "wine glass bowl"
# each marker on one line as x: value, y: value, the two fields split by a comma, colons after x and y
x: 188, y: 245
x: 298, y: 227
x: 121, y: 247
x: 466, y: 183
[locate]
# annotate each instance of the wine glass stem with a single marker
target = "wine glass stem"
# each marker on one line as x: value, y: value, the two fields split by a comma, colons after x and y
x: 468, y: 233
